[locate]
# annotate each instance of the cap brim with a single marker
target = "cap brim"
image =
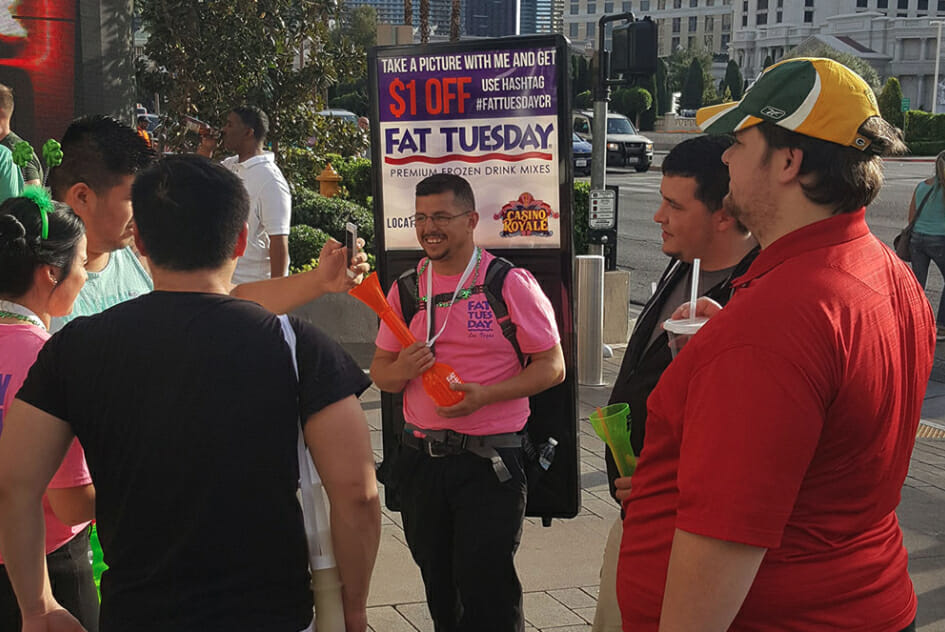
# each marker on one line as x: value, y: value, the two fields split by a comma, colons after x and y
x: 725, y: 118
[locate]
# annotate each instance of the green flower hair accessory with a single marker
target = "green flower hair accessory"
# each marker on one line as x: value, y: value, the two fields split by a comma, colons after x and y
x: 22, y: 153
x: 52, y: 153
x: 40, y: 197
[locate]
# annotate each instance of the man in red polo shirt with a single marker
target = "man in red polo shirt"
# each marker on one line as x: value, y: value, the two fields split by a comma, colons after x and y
x: 779, y: 438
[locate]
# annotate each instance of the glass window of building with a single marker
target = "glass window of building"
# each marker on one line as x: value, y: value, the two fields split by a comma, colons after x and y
x: 726, y: 38
x: 710, y: 3
x: 644, y: 5
x: 627, y: 6
x: 744, y: 19
x: 575, y: 9
x: 677, y: 4
x: 677, y: 25
x: 809, y: 3
x: 709, y: 23
x: 709, y: 42
x: 573, y: 30
x: 903, y: 4
x: 693, y: 23
x: 762, y: 5
x: 727, y: 22
x: 777, y: 17
x: 693, y: 3
x: 808, y: 17
x: 923, y: 5
x: 589, y: 30
x: 675, y: 45
x: 861, y: 4
x: 692, y: 42
x: 761, y: 19
x: 941, y: 5
x: 592, y: 7
x: 660, y: 4
x: 608, y: 7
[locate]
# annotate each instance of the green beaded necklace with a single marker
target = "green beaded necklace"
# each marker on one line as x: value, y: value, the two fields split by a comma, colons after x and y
x: 463, y: 294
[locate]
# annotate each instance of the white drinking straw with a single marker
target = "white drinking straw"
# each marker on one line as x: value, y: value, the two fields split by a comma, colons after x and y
x: 694, y: 292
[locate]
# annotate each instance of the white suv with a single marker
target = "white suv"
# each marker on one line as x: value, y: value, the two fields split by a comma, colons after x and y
x: 625, y: 147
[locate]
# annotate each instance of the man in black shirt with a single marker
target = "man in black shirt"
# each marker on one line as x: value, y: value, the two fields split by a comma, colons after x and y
x: 694, y: 225
x: 188, y: 408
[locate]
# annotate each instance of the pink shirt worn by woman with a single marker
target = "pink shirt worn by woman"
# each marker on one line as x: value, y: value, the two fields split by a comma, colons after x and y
x: 19, y: 345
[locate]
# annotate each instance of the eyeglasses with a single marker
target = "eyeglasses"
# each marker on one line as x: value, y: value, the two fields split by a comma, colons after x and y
x: 439, y: 219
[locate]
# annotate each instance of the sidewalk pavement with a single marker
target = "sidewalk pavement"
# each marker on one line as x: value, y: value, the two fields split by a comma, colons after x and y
x: 559, y: 565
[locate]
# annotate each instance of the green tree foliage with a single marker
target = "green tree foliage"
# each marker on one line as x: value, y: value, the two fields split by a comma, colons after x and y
x: 632, y: 102
x: 678, y: 64
x: 693, y: 88
x: 647, y: 119
x: 358, y: 27
x: 583, y: 100
x: 769, y: 60
x: 890, y: 102
x: 733, y: 80
x: 209, y: 56
x: 815, y: 48
x: 663, y: 101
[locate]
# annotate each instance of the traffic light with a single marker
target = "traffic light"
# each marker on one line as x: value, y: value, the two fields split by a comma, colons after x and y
x: 633, y: 48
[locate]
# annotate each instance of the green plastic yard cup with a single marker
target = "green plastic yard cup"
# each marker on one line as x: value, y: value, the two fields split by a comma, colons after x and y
x: 612, y: 427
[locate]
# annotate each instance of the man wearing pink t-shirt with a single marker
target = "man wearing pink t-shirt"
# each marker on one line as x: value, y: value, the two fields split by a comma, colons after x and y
x: 462, y: 510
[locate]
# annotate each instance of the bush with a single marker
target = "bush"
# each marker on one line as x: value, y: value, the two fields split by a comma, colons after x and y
x: 921, y: 125
x: 926, y: 147
x: 305, y: 242
x: 693, y: 88
x: 582, y: 194
x: 890, y: 102
x: 356, y: 178
x: 330, y: 214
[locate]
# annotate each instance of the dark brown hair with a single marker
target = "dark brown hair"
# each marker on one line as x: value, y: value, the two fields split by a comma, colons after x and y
x: 844, y: 178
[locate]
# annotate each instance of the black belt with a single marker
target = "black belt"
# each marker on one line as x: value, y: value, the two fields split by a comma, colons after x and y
x: 439, y: 443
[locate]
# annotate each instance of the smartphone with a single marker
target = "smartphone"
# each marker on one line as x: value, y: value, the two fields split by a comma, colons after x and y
x: 351, y: 243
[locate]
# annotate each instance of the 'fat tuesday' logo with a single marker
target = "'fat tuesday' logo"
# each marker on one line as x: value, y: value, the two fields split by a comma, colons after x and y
x: 526, y: 217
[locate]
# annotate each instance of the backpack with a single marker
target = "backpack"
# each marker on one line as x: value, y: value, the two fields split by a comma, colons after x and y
x: 491, y: 286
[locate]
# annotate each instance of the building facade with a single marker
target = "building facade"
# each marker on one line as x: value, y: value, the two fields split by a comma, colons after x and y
x: 895, y: 36
x: 704, y: 24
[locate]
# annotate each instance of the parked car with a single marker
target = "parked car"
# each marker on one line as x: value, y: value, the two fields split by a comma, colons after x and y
x: 345, y: 115
x: 625, y: 146
x: 580, y: 155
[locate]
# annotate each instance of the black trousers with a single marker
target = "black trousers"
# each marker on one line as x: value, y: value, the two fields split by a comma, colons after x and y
x: 463, y: 528
x: 73, y: 585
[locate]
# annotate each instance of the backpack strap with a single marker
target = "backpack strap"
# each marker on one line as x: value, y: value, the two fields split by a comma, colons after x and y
x: 492, y: 286
x: 409, y: 294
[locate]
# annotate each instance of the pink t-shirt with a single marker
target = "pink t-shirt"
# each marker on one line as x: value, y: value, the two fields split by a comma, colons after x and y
x: 19, y: 345
x: 474, y: 346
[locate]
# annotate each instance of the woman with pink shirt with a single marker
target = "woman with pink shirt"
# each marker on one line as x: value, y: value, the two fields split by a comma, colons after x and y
x: 42, y: 269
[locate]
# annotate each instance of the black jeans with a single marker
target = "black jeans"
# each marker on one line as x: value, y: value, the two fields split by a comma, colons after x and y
x: 73, y: 585
x: 463, y: 527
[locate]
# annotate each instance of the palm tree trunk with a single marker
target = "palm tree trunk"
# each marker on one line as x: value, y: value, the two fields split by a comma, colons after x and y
x: 424, y: 21
x: 454, y: 20
x: 408, y: 12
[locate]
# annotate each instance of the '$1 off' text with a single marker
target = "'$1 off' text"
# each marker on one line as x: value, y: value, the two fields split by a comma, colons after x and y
x: 445, y: 95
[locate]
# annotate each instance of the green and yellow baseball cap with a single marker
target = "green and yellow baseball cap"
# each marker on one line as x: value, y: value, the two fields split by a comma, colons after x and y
x: 816, y: 97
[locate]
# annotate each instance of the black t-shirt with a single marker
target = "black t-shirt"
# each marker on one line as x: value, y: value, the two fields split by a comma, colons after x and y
x: 187, y: 407
x: 33, y: 170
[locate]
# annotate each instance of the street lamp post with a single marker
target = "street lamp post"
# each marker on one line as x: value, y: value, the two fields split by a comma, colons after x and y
x: 938, y: 56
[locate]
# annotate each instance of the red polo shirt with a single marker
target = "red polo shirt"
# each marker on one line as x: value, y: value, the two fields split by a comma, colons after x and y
x: 788, y: 423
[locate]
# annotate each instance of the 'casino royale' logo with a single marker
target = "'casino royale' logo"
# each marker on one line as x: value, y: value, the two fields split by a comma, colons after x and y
x: 526, y: 217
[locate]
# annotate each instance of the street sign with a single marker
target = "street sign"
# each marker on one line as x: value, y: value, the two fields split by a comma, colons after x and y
x: 905, y: 104
x: 601, y: 215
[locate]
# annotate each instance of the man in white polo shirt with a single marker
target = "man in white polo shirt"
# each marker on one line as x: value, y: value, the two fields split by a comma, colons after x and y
x: 267, y: 252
